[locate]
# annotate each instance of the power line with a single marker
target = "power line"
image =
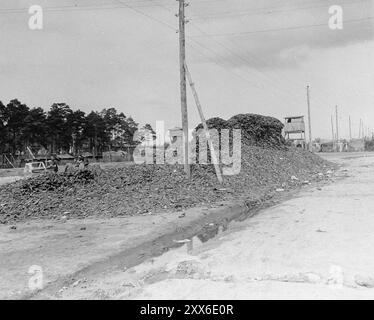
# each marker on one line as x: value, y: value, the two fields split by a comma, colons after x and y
x: 72, y: 8
x: 266, y: 9
x: 199, y: 44
x: 146, y: 15
x: 100, y: 6
x: 270, y: 10
x: 261, y: 73
x: 282, y: 78
x: 195, y: 43
x: 289, y: 94
x: 238, y: 56
x: 209, y: 49
x: 277, y: 29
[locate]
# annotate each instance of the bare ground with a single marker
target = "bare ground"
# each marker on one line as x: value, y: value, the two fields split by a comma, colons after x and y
x: 314, y: 244
x: 71, y: 250
x: 317, y: 245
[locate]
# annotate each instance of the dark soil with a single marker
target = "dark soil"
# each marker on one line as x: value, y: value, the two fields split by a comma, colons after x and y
x: 267, y: 164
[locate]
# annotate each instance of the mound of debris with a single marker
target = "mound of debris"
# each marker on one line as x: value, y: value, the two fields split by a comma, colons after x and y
x: 267, y: 165
x: 369, y: 145
x: 265, y: 132
x: 214, y: 123
x: 56, y: 182
x: 256, y: 130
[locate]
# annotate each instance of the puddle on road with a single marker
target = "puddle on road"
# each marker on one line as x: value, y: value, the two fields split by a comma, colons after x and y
x: 189, y: 245
x: 211, y: 231
x: 185, y: 243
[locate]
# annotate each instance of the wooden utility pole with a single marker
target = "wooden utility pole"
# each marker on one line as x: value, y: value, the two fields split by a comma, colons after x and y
x: 359, y: 130
x: 362, y: 128
x: 206, y: 129
x: 309, y: 119
x: 332, y: 130
x: 350, y: 129
x: 337, y: 124
x: 183, y: 87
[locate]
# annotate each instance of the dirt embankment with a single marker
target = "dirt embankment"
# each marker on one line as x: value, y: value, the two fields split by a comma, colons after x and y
x: 267, y: 164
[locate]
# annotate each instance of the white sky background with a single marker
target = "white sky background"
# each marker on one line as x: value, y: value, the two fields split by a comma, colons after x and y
x: 99, y: 55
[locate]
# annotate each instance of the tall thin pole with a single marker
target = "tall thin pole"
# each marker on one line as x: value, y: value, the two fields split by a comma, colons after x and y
x: 362, y: 129
x: 332, y: 130
x: 337, y: 124
x: 183, y: 86
x: 309, y: 119
x: 359, y: 130
x: 350, y: 129
x: 206, y: 129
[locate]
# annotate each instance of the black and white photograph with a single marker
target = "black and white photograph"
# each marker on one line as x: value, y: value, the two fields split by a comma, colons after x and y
x: 186, y: 150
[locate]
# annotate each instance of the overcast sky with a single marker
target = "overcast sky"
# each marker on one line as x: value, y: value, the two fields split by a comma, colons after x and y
x: 245, y: 56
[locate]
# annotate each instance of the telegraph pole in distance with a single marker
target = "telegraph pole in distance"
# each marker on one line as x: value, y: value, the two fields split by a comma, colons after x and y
x: 310, y: 125
x: 361, y: 128
x: 183, y: 86
x: 350, y: 129
x: 332, y: 130
x: 337, y: 124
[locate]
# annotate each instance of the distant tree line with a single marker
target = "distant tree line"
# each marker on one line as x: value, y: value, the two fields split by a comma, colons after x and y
x: 62, y: 129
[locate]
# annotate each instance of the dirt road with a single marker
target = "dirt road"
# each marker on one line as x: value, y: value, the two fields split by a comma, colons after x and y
x: 316, y: 245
